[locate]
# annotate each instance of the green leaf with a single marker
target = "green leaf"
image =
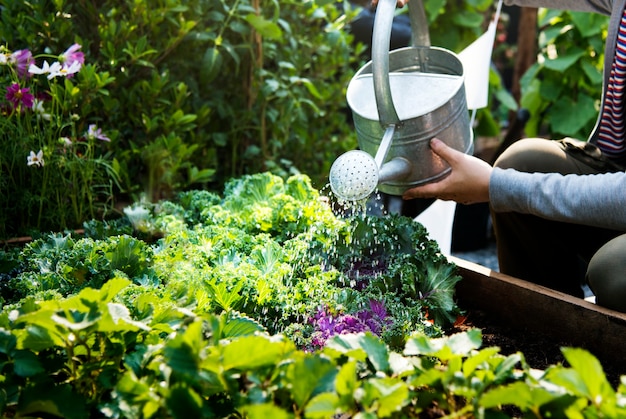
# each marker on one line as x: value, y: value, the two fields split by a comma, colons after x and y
x: 506, y: 368
x: 310, y: 375
x: 570, y: 117
x: 238, y: 354
x: 265, y: 411
x: 119, y: 319
x: 266, y: 28
x: 551, y: 89
x: 393, y: 395
x: 8, y: 342
x: 26, y: 364
x: 346, y: 382
x: 38, y: 338
x: 506, y: 99
x: 310, y: 87
x: 51, y: 401
x: 181, y: 357
x: 375, y: 349
x: 240, y: 326
x: 593, y: 73
x: 323, y: 405
x: 444, y: 348
x: 225, y: 295
x: 589, y: 24
x: 474, y: 361
x: 200, y: 175
x: 468, y: 19
x: 586, y: 377
x: 517, y: 394
x: 563, y: 62
x: 110, y: 289
x: 184, y: 403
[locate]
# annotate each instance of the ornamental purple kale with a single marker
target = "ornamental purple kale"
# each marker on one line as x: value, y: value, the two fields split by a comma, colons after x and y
x: 328, y: 324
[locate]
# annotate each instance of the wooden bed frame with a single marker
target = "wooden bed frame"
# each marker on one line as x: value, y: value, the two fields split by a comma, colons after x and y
x: 526, y: 305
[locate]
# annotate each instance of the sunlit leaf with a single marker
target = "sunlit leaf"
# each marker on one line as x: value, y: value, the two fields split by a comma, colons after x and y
x: 237, y: 354
x: 266, y: 28
x: 310, y: 375
x: 373, y: 347
x: 264, y: 411
x: 323, y: 405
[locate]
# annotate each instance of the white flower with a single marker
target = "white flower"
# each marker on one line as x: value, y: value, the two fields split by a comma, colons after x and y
x: 72, y: 69
x: 54, y: 70
x: 40, y: 111
x: 45, y: 68
x: 58, y: 69
x: 36, y: 159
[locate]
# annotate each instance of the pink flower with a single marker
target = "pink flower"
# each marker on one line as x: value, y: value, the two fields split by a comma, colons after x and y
x: 95, y: 132
x: 72, y: 55
x: 19, y: 96
x: 23, y: 59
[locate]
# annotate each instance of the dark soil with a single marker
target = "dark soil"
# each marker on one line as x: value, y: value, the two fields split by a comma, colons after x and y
x: 540, y: 350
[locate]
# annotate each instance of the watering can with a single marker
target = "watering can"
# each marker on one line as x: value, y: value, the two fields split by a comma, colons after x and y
x: 400, y: 100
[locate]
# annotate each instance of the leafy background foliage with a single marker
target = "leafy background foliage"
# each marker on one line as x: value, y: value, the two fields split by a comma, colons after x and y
x: 205, y: 90
x: 562, y: 90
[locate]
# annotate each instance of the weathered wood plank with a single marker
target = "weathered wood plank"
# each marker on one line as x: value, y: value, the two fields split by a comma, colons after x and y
x: 526, y: 305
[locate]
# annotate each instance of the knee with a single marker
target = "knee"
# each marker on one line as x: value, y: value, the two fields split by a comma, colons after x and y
x: 606, y: 274
x: 529, y: 155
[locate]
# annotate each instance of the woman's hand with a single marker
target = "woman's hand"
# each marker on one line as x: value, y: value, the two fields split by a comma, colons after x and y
x: 467, y: 183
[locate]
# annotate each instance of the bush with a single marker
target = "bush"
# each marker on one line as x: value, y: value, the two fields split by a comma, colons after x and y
x: 204, y: 90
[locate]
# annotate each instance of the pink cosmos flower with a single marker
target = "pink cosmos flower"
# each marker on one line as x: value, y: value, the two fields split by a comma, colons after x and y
x: 19, y: 97
x: 72, y: 55
x: 23, y: 58
x: 95, y: 132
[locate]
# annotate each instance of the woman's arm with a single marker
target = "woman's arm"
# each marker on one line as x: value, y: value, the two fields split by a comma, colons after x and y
x: 597, y: 6
x: 596, y: 200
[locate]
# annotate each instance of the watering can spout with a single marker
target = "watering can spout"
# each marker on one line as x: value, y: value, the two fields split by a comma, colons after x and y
x: 395, y: 169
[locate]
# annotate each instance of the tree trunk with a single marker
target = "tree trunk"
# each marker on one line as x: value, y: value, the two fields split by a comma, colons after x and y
x: 526, y: 48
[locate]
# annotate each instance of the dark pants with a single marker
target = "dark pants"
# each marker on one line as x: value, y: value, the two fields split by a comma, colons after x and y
x: 559, y: 255
x: 362, y: 28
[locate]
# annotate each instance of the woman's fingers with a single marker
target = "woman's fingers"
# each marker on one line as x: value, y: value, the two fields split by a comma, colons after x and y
x: 467, y: 182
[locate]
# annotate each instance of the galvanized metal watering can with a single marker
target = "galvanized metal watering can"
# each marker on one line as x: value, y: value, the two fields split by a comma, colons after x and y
x: 400, y: 100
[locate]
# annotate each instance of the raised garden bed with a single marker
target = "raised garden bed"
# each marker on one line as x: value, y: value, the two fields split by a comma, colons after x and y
x: 517, y: 315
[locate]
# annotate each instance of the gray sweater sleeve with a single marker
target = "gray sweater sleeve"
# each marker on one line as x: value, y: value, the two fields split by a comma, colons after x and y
x: 595, y: 200
x: 598, y: 6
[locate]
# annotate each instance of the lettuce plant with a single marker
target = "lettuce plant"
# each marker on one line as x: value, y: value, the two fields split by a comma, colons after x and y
x: 269, y: 248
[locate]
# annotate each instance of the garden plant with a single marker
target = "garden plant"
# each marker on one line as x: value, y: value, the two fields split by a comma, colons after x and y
x: 259, y: 303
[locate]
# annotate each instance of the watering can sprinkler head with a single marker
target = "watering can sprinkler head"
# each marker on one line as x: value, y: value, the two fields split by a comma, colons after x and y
x: 355, y: 175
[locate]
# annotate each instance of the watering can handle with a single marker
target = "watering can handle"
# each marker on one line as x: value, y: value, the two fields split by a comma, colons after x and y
x: 381, y: 37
